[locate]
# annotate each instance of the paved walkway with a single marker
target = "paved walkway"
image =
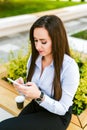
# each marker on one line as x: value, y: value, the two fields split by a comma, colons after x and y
x: 4, y: 114
x: 22, y: 23
x: 14, y: 33
x: 19, y: 41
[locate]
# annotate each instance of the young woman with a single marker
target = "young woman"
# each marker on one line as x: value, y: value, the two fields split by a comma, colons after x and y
x: 52, y: 79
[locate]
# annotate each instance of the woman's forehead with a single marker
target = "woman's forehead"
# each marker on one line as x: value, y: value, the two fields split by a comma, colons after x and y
x: 41, y: 33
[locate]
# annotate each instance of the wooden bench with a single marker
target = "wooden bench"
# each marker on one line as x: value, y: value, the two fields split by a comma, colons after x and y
x: 79, y: 122
x: 7, y: 102
x: 7, y: 98
x: 74, y: 124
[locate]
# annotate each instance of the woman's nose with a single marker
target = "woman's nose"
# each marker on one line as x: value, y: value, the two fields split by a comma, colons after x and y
x: 38, y: 45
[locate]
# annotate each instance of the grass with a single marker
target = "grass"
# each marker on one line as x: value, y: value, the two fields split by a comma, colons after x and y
x: 82, y: 35
x: 18, y: 7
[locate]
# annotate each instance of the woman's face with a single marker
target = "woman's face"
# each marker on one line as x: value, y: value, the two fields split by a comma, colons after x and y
x: 42, y: 42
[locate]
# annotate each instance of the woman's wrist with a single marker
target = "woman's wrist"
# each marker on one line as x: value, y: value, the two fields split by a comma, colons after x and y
x: 38, y: 95
x: 40, y: 98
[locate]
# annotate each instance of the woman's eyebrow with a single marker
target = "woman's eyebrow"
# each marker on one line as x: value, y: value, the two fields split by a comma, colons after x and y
x: 43, y: 39
x: 40, y: 39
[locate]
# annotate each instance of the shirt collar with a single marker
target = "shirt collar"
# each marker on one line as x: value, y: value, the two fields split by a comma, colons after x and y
x: 52, y: 64
x: 39, y: 61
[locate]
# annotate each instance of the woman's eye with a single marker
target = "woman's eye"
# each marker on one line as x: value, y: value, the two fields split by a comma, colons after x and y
x: 44, y: 42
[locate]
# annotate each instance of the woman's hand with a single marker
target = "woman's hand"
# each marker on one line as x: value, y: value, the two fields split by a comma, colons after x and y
x: 19, y: 80
x: 30, y: 89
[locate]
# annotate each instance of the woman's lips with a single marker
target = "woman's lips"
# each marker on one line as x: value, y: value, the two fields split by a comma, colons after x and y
x: 40, y: 51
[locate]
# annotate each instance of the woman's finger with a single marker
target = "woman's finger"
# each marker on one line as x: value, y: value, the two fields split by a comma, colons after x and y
x: 29, y: 84
x: 20, y: 80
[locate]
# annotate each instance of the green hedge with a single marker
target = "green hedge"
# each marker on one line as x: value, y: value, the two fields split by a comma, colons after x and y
x: 80, y: 99
x: 17, y: 68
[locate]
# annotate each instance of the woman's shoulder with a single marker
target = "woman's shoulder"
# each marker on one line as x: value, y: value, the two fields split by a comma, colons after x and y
x: 70, y: 70
x: 69, y: 62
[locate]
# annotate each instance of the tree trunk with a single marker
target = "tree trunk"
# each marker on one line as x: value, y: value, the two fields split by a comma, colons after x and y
x: 82, y: 0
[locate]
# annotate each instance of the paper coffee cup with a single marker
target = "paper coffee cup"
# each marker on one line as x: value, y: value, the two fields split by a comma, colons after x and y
x: 20, y: 101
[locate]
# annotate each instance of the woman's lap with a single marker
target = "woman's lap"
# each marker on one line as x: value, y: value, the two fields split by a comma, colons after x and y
x: 34, y: 117
x: 34, y: 121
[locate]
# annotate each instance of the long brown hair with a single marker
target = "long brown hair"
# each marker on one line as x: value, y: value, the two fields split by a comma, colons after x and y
x: 57, y: 33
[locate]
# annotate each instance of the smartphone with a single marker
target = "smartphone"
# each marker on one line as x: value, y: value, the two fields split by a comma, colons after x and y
x: 14, y: 82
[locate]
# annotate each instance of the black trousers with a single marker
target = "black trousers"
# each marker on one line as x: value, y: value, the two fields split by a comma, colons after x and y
x: 34, y: 117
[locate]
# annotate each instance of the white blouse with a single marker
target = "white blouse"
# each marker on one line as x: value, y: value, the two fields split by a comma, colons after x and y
x: 69, y: 83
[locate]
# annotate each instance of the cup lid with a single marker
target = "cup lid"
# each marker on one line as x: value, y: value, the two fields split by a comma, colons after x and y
x: 20, y: 98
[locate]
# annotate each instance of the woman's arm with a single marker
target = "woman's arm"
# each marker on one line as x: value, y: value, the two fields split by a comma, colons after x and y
x: 69, y: 83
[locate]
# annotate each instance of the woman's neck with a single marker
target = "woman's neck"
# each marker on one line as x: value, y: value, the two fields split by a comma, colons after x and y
x: 46, y: 61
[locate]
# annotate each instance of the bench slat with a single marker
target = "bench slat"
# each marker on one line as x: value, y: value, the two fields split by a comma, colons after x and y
x: 7, y: 101
x: 73, y: 127
x: 83, y: 118
x: 75, y: 120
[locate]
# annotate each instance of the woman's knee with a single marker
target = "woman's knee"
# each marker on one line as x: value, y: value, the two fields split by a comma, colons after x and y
x: 7, y: 124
